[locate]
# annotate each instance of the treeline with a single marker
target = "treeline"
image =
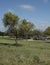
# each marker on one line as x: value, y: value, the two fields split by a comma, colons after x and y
x: 21, y: 28
x: 3, y: 33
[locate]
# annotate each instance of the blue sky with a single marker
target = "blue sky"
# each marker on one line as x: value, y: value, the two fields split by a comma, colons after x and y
x: 35, y: 11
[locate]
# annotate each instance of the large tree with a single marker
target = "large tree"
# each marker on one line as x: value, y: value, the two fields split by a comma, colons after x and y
x: 10, y: 20
x: 25, y: 27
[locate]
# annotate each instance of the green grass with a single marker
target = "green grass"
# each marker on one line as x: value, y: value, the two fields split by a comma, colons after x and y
x: 23, y: 53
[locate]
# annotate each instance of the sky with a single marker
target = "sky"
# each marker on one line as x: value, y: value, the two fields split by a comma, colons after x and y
x: 35, y: 11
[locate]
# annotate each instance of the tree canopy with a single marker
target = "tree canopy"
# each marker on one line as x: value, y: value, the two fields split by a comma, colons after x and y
x: 10, y: 19
x: 47, y: 31
x: 25, y: 27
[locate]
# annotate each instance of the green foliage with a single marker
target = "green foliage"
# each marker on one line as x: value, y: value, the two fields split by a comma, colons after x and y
x: 37, y: 32
x: 25, y: 27
x: 10, y: 19
x: 47, y: 31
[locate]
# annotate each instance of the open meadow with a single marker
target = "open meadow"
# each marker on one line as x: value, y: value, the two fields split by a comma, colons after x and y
x: 24, y: 53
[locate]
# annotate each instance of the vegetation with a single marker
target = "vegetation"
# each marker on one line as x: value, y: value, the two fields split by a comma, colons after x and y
x: 10, y: 20
x: 47, y: 31
x: 26, y: 53
x: 23, y: 28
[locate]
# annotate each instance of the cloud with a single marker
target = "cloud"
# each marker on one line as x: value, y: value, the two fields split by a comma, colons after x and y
x: 45, y: 1
x: 28, y: 7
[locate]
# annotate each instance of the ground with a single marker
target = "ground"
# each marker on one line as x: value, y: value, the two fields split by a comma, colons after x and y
x: 24, y: 52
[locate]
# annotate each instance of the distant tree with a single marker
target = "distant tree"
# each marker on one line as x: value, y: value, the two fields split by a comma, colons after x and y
x: 37, y: 34
x: 25, y: 28
x: 47, y: 31
x: 10, y: 20
x: 2, y: 33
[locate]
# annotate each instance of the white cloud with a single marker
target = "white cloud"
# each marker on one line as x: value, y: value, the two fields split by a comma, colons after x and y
x: 45, y: 1
x: 28, y: 7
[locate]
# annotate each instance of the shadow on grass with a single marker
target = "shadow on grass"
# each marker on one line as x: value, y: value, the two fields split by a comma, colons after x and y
x: 8, y: 44
x: 47, y: 42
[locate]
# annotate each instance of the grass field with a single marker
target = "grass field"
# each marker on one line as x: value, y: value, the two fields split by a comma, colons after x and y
x: 24, y: 52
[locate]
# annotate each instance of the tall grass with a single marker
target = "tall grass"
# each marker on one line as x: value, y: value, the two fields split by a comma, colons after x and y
x: 26, y: 53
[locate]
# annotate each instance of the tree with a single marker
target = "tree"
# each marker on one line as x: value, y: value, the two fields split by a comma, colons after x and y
x: 47, y: 31
x: 2, y: 33
x: 37, y: 34
x: 10, y: 20
x: 25, y: 27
